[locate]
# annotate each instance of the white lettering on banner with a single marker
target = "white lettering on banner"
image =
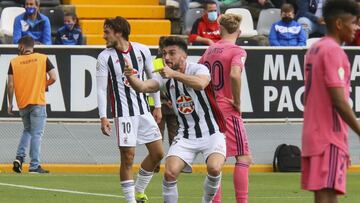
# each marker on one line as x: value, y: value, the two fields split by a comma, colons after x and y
x: 294, y: 69
x: 55, y: 97
x: 270, y: 95
x: 298, y: 102
x: 4, y: 64
x: 79, y: 65
x: 285, y: 101
x: 355, y: 71
x: 273, y: 70
x: 245, y: 98
x: 357, y: 98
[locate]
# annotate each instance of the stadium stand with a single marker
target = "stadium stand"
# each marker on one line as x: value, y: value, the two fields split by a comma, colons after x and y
x: 266, y: 18
x: 49, y: 3
x: 7, y: 18
x: 56, y: 17
x: 191, y: 16
x: 146, y: 17
x: 311, y: 41
x: 247, y: 23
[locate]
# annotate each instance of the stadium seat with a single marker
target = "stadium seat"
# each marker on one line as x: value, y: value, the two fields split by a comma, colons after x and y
x: 267, y: 17
x: 4, y: 4
x: 311, y: 41
x: 247, y: 42
x: 7, y: 19
x: 191, y: 16
x: 56, y: 17
x: 247, y: 23
x: 49, y: 3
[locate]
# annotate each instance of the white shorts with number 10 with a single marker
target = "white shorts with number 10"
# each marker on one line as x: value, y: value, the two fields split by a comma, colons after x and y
x: 133, y: 130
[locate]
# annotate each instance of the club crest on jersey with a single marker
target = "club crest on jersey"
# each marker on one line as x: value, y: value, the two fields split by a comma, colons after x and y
x: 185, y: 104
x: 341, y: 73
x: 126, y: 82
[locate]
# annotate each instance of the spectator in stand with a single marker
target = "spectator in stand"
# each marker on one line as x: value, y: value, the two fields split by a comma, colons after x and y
x: 254, y: 6
x: 279, y: 3
x: 184, y: 7
x: 206, y: 30
x: 310, y: 17
x: 70, y: 33
x: 287, y: 32
x: 32, y: 23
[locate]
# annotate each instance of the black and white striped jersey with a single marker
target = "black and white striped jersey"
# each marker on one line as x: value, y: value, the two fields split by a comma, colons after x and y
x: 196, y: 110
x: 124, y: 100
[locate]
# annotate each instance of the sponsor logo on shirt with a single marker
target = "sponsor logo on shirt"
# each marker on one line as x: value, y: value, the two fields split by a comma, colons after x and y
x: 185, y: 104
x: 24, y: 26
x: 126, y: 82
x: 341, y: 73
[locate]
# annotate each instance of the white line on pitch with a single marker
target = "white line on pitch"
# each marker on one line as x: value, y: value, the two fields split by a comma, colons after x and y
x: 60, y: 190
x: 119, y: 196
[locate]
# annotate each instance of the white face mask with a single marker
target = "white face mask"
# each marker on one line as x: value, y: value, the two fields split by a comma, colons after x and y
x: 212, y: 16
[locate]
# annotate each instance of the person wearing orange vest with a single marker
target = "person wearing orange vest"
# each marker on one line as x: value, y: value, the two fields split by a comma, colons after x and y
x: 29, y: 76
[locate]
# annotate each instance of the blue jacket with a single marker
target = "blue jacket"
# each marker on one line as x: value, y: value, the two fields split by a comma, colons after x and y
x: 39, y: 30
x: 69, y: 37
x: 307, y: 8
x: 287, y: 34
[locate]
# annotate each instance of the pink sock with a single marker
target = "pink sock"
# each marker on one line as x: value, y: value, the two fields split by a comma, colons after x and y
x: 217, y: 198
x: 241, y: 181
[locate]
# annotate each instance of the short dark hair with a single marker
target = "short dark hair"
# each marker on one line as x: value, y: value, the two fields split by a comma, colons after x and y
x: 208, y: 2
x: 287, y: 8
x: 334, y: 9
x: 27, y: 41
x: 177, y: 41
x: 119, y: 25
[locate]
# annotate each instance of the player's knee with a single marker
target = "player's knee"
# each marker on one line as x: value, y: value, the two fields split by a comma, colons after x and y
x: 214, y: 170
x: 127, y: 158
x: 169, y: 175
x: 157, y: 156
x: 247, y: 159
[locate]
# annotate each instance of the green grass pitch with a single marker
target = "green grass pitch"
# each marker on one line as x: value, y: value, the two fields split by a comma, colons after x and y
x: 81, y: 188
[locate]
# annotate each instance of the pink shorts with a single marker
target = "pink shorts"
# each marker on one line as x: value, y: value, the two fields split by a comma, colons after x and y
x: 236, y: 138
x: 325, y: 171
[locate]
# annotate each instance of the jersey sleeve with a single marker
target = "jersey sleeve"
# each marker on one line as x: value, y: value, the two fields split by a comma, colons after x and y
x: 334, y: 72
x: 149, y: 67
x: 201, y: 70
x: 239, y: 59
x: 101, y: 66
x: 101, y: 84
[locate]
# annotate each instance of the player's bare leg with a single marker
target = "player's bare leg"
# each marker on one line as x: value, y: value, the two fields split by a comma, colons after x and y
x: 325, y: 196
x: 212, y: 181
x: 146, y: 171
x: 173, y: 167
x: 126, y: 174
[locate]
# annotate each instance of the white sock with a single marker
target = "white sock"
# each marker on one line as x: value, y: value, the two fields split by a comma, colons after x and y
x: 170, y: 192
x: 128, y: 189
x: 143, y: 180
x: 211, y: 185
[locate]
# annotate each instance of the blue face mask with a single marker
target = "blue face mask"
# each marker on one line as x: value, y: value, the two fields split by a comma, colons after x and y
x: 69, y: 26
x: 30, y: 10
x: 212, y: 16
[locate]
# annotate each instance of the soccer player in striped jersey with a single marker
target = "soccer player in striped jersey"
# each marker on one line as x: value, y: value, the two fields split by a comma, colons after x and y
x: 327, y: 113
x: 133, y: 121
x: 199, y: 130
x: 226, y: 61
